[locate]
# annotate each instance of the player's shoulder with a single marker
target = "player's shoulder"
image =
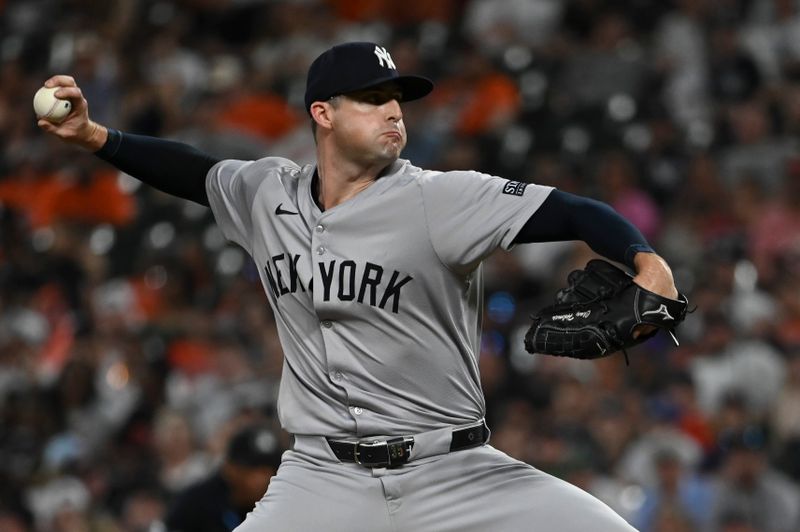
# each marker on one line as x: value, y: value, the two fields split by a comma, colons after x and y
x: 425, y: 176
x: 437, y: 178
x: 255, y: 172
x: 274, y: 165
x: 271, y: 172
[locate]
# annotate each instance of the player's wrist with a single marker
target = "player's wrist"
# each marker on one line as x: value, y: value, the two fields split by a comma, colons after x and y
x: 654, y: 274
x: 646, y: 260
x: 636, y: 249
x: 96, y: 136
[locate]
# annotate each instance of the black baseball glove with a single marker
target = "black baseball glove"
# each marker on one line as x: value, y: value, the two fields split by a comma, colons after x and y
x: 596, y: 315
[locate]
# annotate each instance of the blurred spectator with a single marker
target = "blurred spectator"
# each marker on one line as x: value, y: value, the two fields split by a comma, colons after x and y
x: 221, y: 502
x: 680, y: 394
x: 734, y: 75
x: 498, y: 25
x: 262, y: 114
x: 640, y: 460
x: 143, y: 511
x: 681, y: 56
x: 751, y: 366
x: 677, y: 494
x: 46, y: 198
x: 773, y: 233
x: 757, y: 153
x: 772, y: 37
x: 61, y: 504
x: 612, y: 63
x: 749, y: 491
x: 623, y: 497
x: 619, y: 188
x: 181, y: 463
x: 482, y: 98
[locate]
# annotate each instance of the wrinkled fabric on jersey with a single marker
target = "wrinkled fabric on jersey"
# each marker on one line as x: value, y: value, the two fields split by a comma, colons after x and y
x: 377, y: 300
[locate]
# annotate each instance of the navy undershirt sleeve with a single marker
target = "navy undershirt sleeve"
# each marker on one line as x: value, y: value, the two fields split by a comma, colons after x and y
x: 169, y: 166
x: 565, y: 216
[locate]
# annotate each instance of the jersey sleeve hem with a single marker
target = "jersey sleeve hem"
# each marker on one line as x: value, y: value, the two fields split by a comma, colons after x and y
x: 507, y: 243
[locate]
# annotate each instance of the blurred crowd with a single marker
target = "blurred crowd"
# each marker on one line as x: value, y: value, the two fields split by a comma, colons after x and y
x: 134, y: 340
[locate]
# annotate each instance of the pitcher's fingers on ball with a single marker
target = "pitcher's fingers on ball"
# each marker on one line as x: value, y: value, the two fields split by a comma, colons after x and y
x: 69, y: 93
x: 46, y: 125
x: 60, y: 80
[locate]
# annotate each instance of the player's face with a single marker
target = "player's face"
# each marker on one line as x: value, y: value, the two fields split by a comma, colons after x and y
x: 369, y: 125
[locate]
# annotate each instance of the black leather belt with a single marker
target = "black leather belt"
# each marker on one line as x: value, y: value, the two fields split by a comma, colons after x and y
x: 395, y: 452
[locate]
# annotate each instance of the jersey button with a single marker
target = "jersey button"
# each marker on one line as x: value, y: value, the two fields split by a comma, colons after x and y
x: 327, y: 324
x: 319, y: 228
x: 337, y: 375
x: 320, y: 250
x: 358, y: 410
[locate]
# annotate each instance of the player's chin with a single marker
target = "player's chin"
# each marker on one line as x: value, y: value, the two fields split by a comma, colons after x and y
x: 388, y: 154
x: 393, y: 147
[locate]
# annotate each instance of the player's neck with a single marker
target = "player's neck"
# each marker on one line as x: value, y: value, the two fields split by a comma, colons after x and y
x: 340, y: 180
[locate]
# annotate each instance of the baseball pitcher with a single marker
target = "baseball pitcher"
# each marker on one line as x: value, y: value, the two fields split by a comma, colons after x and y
x: 372, y: 266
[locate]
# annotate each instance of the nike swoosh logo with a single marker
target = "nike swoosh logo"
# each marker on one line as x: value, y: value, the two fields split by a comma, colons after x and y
x: 280, y: 211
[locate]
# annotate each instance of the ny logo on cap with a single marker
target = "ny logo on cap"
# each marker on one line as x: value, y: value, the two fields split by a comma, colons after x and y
x: 383, y: 55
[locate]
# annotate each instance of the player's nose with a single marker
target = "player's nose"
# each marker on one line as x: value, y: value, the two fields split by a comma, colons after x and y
x: 393, y: 111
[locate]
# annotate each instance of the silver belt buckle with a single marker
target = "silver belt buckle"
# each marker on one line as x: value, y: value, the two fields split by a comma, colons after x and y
x: 398, y: 451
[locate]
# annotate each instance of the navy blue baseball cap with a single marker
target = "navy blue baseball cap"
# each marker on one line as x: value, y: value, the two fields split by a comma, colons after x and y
x: 254, y: 446
x: 355, y: 66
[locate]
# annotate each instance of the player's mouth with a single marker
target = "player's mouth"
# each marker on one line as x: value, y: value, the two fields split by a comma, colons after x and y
x: 394, y: 134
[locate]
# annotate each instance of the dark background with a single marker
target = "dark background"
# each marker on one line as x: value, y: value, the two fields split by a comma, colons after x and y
x: 133, y: 340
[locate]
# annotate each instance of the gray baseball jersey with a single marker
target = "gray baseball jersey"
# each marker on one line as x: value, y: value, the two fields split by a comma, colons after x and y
x: 377, y: 300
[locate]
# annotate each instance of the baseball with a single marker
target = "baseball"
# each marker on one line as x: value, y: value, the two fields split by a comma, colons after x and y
x: 47, y: 106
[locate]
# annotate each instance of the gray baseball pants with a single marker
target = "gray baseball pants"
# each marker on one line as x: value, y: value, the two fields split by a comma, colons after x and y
x: 478, y: 489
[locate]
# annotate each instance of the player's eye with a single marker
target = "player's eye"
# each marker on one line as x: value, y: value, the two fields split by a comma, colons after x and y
x: 377, y: 97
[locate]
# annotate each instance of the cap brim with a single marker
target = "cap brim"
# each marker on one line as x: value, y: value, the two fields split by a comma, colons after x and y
x: 412, y: 87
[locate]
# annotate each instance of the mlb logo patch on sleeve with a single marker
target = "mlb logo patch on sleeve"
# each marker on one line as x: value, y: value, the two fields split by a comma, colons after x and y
x: 514, y: 188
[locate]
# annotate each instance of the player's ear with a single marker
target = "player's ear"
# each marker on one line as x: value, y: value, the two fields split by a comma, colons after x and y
x: 321, y: 114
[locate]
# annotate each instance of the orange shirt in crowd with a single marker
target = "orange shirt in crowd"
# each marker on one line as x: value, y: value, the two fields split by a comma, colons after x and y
x: 265, y: 115
x: 481, y: 103
x: 50, y: 197
x: 494, y: 97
